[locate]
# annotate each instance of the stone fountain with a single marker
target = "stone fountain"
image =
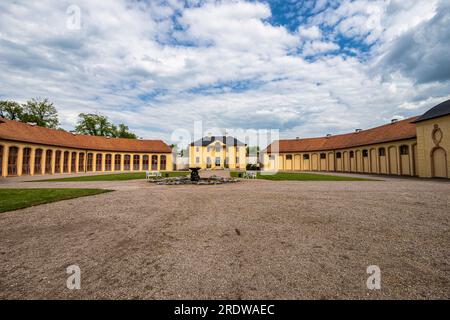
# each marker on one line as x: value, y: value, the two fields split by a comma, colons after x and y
x: 193, y: 179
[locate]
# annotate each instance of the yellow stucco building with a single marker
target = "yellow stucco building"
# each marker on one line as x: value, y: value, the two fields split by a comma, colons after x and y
x: 31, y: 150
x: 417, y: 146
x: 218, y: 153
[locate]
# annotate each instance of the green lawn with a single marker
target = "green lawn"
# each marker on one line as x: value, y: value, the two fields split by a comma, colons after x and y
x: 13, y: 199
x: 295, y: 176
x: 114, y: 177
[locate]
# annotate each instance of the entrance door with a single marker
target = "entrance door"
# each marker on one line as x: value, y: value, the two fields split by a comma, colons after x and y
x: 439, y: 163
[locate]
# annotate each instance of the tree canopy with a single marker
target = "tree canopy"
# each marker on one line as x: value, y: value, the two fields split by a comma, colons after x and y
x: 99, y: 125
x: 38, y: 111
x: 43, y: 113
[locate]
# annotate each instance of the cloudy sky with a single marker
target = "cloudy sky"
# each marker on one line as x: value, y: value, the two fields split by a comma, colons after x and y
x: 305, y: 67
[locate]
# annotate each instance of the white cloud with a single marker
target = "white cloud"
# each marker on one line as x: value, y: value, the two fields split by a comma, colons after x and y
x: 312, y: 32
x: 150, y: 64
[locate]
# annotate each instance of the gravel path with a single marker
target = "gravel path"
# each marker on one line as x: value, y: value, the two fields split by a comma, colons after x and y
x: 255, y: 239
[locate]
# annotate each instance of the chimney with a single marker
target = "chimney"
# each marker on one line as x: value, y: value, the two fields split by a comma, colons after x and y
x: 358, y: 130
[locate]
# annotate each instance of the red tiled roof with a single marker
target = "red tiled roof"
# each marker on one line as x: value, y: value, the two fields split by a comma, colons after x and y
x: 22, y: 132
x: 399, y: 130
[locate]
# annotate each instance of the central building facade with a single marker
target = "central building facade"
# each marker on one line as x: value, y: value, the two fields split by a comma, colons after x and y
x: 218, y: 152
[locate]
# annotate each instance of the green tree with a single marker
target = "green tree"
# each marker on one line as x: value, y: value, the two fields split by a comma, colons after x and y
x: 123, y: 132
x: 42, y: 112
x: 95, y: 125
x: 11, y: 110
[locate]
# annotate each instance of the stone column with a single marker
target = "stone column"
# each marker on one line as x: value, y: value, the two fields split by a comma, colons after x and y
x: 5, y: 160
x: 32, y: 160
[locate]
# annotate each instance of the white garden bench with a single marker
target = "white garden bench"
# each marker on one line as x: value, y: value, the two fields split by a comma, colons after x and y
x: 152, y: 174
x: 250, y: 174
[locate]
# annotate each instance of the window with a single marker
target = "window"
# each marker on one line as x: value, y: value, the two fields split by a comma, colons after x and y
x: 58, y: 161
x: 352, y: 154
x: 1, y: 160
x: 197, y: 160
x: 38, y: 161
x: 197, y: 149
x: 81, y: 162
x: 289, y: 157
x: 73, y: 166
x: 338, y: 155
x: 136, y: 162
x: 26, y: 161
x: 163, y: 163
x: 382, y: 152
x: 126, y: 162
x: 48, y: 161
x: 90, y: 162
x: 323, y: 156
x: 227, y: 162
x: 208, y: 162
x: 237, y: 160
x: 117, y: 160
x: 108, y: 162
x: 66, y: 161
x: 154, y: 162
x: 98, y: 162
x: 404, y: 150
x: 365, y: 153
x: 208, y: 149
x: 272, y: 157
x: 306, y: 157
x: 145, y: 162
x: 12, y: 161
x: 217, y: 161
x: 218, y: 147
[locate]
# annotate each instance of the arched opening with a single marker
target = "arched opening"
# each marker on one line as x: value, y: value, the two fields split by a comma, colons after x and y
x: 288, y: 162
x: 48, y: 161
x: 323, y: 162
x: 66, y: 162
x: 365, y: 161
x: 1, y: 160
x: 145, y: 162
x: 108, y: 162
x: 439, y: 163
x: 154, y: 162
x: 58, y: 161
x: 306, y: 164
x: 90, y: 162
x: 26, y: 159
x: 163, y: 162
x: 81, y: 162
x: 12, y: 161
x: 315, y: 162
x: 382, y: 160
x: 117, y: 160
x: 404, y: 160
x: 373, y: 161
x: 136, y: 159
x: 339, y: 166
x: 38, y: 161
x: 127, y: 162
x: 352, y: 161
x: 358, y: 161
x: 98, y: 162
x: 297, y: 162
x: 73, y: 162
x: 393, y: 163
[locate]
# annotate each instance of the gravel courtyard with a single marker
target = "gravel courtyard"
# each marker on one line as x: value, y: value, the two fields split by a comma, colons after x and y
x: 251, y: 240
